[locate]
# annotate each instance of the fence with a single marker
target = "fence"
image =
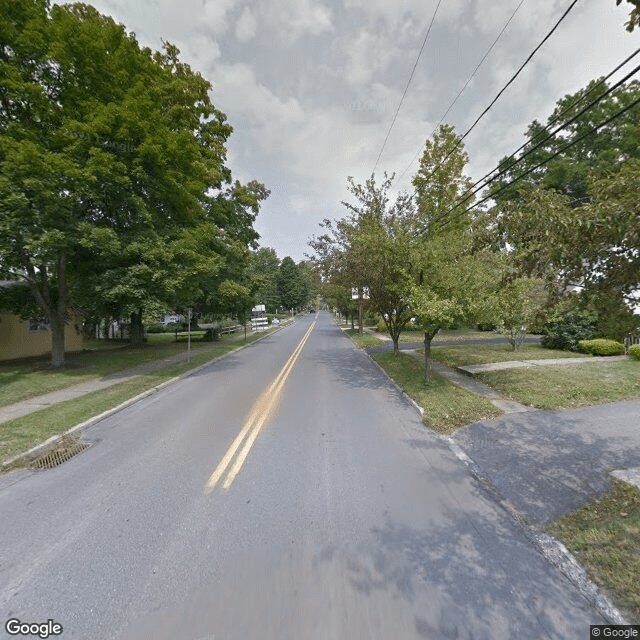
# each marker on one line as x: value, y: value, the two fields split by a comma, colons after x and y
x: 629, y: 341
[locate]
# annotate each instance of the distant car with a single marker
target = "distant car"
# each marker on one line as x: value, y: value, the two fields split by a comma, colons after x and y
x: 275, y: 321
x: 312, y: 310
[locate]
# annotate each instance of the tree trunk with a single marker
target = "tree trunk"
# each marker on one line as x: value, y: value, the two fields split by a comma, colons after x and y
x: 136, y: 332
x: 57, y: 316
x: 57, y: 340
x: 353, y: 315
x: 395, y: 336
x: 428, y: 337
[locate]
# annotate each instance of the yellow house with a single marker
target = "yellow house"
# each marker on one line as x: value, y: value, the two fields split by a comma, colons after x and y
x: 29, y: 338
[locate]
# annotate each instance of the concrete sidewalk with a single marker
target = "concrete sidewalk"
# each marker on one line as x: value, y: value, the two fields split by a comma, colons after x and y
x: 479, y: 388
x: 30, y: 405
x: 472, y: 369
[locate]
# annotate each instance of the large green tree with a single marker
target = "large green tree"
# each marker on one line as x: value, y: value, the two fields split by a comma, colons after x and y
x: 573, y: 221
x: 451, y: 281
x: 371, y: 247
x: 112, y: 167
x: 265, y: 266
x: 294, y: 288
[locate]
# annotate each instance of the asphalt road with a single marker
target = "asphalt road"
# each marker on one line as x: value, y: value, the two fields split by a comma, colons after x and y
x: 346, y: 518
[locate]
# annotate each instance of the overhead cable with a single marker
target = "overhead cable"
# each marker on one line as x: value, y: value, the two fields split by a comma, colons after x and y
x: 466, y: 84
x: 415, y: 64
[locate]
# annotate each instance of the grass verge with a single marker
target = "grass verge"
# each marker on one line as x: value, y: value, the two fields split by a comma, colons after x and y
x: 446, y: 406
x: 24, y: 380
x: 450, y: 335
x: 23, y: 433
x: 605, y: 537
x: 568, y: 386
x: 364, y: 340
x: 484, y: 353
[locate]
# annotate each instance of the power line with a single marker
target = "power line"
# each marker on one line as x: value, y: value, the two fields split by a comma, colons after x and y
x: 510, y: 81
x: 566, y: 110
x: 551, y: 157
x: 466, y: 84
x: 471, y: 191
x: 415, y: 64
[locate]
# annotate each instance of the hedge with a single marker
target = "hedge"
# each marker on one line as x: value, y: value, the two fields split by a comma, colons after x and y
x: 634, y: 351
x: 602, y: 347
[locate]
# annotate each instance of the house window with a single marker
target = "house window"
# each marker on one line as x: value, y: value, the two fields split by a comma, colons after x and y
x: 38, y: 324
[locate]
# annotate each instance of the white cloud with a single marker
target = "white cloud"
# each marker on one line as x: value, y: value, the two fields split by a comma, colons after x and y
x: 246, y: 26
x: 311, y: 86
x: 296, y: 18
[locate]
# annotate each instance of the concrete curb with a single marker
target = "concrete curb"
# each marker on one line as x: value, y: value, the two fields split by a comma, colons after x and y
x: 551, y: 549
x: 37, y: 449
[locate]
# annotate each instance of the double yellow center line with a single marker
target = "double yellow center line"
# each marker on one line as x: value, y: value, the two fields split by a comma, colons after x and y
x: 259, y: 414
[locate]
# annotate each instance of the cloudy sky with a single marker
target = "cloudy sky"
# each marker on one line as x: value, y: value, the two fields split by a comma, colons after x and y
x: 311, y: 86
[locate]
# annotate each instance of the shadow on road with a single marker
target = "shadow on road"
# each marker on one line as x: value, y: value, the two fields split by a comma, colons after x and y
x: 550, y: 463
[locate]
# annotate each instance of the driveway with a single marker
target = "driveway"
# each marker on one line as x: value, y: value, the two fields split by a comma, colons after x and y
x: 550, y: 463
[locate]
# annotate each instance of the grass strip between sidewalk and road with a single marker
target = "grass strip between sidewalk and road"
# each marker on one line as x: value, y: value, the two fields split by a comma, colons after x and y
x: 21, y: 434
x: 364, y: 340
x: 485, y: 353
x: 28, y: 379
x: 604, y: 536
x: 568, y: 386
x: 446, y: 406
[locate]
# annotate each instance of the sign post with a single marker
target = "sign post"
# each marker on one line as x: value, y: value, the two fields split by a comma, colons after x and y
x: 189, y: 335
x: 360, y: 293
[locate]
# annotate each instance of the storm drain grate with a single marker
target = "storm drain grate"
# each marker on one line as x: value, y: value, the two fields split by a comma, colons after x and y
x: 63, y: 450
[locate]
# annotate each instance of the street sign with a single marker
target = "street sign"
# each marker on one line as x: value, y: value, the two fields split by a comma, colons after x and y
x: 355, y: 296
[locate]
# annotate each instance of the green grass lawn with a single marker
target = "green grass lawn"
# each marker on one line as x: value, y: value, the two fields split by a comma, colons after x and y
x: 446, y: 406
x: 568, y: 386
x: 605, y: 537
x: 484, y: 353
x: 364, y: 340
x: 450, y: 335
x: 27, y: 379
x: 23, y: 433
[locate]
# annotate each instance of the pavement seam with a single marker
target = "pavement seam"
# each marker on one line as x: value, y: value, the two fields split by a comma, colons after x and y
x: 31, y: 453
x: 554, y: 552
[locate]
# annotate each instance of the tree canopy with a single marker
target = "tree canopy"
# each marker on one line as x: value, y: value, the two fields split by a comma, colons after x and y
x: 114, y: 192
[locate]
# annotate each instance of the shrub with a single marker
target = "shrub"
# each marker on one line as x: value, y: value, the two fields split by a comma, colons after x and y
x: 155, y: 327
x: 634, y: 351
x: 381, y: 327
x: 566, y: 331
x: 211, y: 335
x: 602, y: 347
x: 371, y: 318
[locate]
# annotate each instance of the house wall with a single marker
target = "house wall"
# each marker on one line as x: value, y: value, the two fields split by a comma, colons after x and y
x: 18, y: 341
